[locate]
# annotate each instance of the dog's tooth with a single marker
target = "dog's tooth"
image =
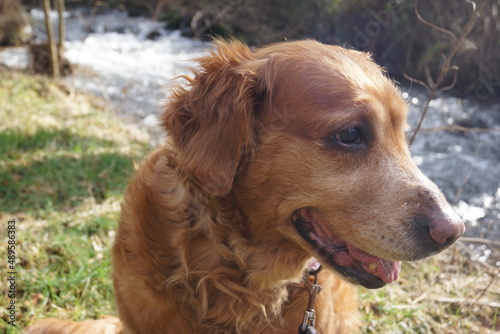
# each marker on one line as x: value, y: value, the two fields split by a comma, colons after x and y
x: 372, y: 266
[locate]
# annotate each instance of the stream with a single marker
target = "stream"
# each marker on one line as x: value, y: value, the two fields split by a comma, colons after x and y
x: 130, y: 62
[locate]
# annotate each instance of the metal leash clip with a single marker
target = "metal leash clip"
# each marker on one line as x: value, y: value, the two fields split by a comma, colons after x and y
x: 307, y: 326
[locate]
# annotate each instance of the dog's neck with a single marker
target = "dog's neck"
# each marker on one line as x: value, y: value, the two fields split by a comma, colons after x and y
x: 254, y: 276
x: 263, y: 281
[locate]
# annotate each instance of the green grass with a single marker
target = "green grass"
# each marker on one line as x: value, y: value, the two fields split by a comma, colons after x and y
x: 64, y: 163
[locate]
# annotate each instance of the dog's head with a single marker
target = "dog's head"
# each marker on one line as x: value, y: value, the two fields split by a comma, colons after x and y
x: 309, y: 141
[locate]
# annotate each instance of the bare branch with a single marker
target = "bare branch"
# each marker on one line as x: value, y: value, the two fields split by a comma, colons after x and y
x: 428, y: 76
x: 462, y: 246
x: 480, y: 240
x: 455, y: 78
x: 459, y: 128
x: 493, y: 277
x: 460, y: 189
x: 208, y: 22
x: 433, y: 26
x: 445, y: 67
x: 432, y: 93
x: 423, y: 84
x: 462, y: 301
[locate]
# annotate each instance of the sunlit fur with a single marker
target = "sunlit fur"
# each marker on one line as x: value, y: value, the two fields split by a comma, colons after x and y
x: 206, y: 243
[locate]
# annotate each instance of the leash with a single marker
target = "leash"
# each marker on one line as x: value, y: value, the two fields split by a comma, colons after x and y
x: 307, y: 326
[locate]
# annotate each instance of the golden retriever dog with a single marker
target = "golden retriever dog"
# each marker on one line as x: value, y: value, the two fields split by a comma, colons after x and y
x: 275, y: 158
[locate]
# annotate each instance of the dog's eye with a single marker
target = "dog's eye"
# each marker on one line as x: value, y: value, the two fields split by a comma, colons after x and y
x: 349, y: 136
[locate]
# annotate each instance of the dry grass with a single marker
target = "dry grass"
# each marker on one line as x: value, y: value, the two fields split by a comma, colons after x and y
x: 447, y: 293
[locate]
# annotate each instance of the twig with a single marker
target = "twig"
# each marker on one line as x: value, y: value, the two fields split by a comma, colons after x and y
x: 455, y: 78
x: 460, y: 244
x: 433, y: 26
x: 428, y: 76
x: 480, y: 240
x: 462, y: 301
x: 421, y: 83
x: 432, y: 93
x: 208, y: 22
x: 493, y: 277
x: 459, y: 128
x: 460, y: 189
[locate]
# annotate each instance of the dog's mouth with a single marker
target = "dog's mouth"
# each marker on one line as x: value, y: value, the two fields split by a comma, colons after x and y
x: 354, y: 264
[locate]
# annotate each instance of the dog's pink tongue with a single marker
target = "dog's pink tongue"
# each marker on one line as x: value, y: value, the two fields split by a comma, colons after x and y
x: 387, y: 270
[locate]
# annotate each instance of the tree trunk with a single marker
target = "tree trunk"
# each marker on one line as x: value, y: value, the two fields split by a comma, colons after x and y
x: 62, y: 25
x: 54, y: 59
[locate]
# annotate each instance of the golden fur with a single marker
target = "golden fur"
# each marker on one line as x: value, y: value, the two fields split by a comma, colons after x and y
x: 206, y: 242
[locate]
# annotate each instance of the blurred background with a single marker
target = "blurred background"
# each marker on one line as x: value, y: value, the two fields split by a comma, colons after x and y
x: 390, y: 29
x: 71, y: 133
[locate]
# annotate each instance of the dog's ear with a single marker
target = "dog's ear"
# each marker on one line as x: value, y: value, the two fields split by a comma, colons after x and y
x: 211, y: 121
